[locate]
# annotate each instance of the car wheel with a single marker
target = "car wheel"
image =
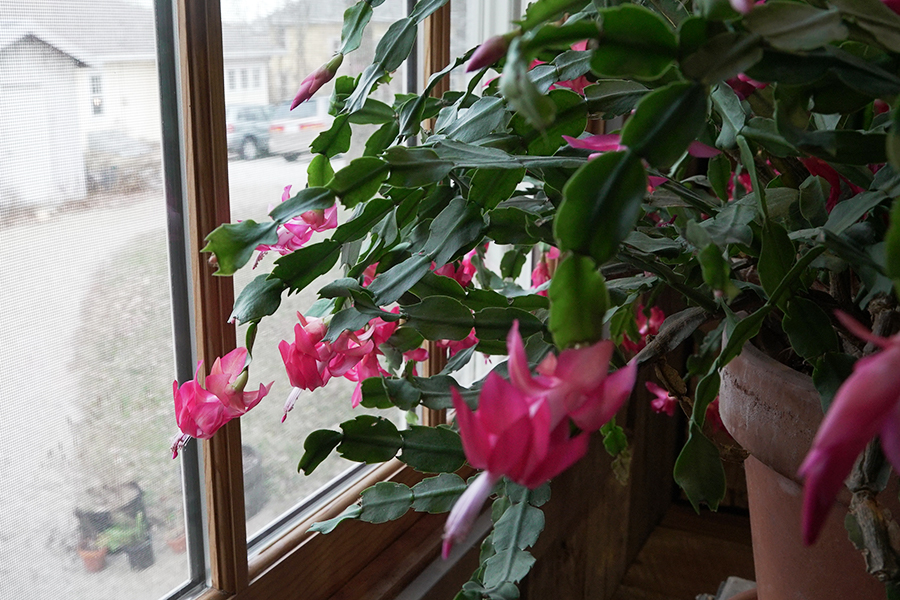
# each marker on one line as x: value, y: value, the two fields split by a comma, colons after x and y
x: 291, y: 157
x: 249, y: 149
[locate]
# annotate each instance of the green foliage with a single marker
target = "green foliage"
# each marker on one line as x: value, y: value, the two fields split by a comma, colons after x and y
x: 601, y: 205
x: 578, y: 302
x: 764, y: 196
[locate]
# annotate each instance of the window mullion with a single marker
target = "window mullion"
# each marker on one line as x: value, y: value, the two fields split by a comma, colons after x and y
x: 437, y: 56
x: 177, y: 227
x: 203, y: 96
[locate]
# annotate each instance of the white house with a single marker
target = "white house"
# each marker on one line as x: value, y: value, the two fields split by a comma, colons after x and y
x: 41, y: 150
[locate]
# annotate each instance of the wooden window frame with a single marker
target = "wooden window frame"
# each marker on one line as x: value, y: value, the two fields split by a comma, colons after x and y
x: 354, y: 562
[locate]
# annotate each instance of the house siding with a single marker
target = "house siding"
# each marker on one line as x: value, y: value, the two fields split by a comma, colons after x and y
x: 41, y: 151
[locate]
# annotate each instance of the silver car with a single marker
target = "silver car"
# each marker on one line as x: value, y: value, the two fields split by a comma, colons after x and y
x: 292, y: 131
x: 247, y: 127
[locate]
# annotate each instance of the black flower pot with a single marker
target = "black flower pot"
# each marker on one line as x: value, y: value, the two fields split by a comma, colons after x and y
x: 140, y: 555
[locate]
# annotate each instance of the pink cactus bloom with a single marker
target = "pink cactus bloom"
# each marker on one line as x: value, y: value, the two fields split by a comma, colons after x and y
x: 296, y: 232
x: 576, y: 382
x: 315, y: 80
x: 198, y: 412
x: 646, y: 327
x: 511, y: 434
x: 227, y: 379
x: 664, y: 401
x: 462, y: 273
x: 306, y: 359
x: 466, y: 509
x: 367, y: 367
x: 742, y: 6
x: 489, y: 52
x: 714, y: 418
x: 521, y: 428
x: 201, y: 412
x: 369, y: 274
x: 744, y: 86
x: 610, y: 142
x: 541, y: 273
x: 820, y: 168
x: 894, y: 5
x: 456, y: 346
x: 867, y: 404
x: 539, y: 276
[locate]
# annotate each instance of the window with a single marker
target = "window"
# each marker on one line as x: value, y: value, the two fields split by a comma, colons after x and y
x: 90, y: 485
x: 96, y: 95
x: 91, y: 361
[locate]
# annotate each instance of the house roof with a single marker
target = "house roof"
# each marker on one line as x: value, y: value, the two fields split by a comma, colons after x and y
x: 118, y: 30
x: 296, y: 12
x: 12, y: 32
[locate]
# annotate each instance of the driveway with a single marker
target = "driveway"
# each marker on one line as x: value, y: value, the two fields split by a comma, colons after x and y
x: 44, y: 280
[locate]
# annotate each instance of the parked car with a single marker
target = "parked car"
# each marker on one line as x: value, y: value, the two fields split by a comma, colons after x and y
x: 247, y: 127
x: 116, y: 161
x: 292, y: 131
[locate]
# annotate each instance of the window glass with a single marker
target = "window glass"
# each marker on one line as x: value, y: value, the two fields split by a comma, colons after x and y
x: 472, y: 22
x: 288, y: 43
x: 90, y: 494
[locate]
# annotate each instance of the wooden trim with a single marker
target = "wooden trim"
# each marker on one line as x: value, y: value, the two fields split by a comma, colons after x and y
x: 345, y: 564
x: 298, y: 565
x: 437, y: 56
x: 437, y: 47
x: 203, y: 95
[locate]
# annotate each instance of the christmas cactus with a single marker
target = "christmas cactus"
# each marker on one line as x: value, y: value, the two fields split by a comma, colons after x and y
x: 743, y: 156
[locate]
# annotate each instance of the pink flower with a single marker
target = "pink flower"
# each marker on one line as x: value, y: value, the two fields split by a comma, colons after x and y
x: 742, y: 6
x: 610, y: 142
x: 306, y: 359
x: 463, y: 273
x: 714, y: 418
x: 745, y: 182
x: 227, y: 379
x: 820, y: 168
x: 646, y: 327
x: 540, y: 275
x: 576, y: 382
x: 201, y: 412
x: 456, y: 346
x: 521, y: 428
x: 664, y: 401
x: 894, y: 5
x: 867, y: 404
x: 293, y: 234
x: 315, y: 80
x: 489, y: 52
x: 511, y: 434
x: 369, y: 274
x: 578, y: 84
x: 744, y: 86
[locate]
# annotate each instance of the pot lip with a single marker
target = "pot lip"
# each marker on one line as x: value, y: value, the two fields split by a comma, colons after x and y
x: 771, y: 410
x: 793, y: 377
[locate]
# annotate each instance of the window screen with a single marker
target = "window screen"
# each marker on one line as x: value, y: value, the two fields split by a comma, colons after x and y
x: 91, y: 499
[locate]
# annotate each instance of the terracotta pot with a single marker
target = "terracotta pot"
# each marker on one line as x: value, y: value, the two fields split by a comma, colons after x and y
x: 177, y: 543
x: 774, y: 412
x: 94, y: 560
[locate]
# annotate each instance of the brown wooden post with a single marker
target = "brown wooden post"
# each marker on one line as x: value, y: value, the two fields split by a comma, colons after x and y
x: 203, y: 95
x: 437, y: 56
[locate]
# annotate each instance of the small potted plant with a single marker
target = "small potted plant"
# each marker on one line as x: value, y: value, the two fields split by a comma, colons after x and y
x: 133, y: 538
x: 92, y: 553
